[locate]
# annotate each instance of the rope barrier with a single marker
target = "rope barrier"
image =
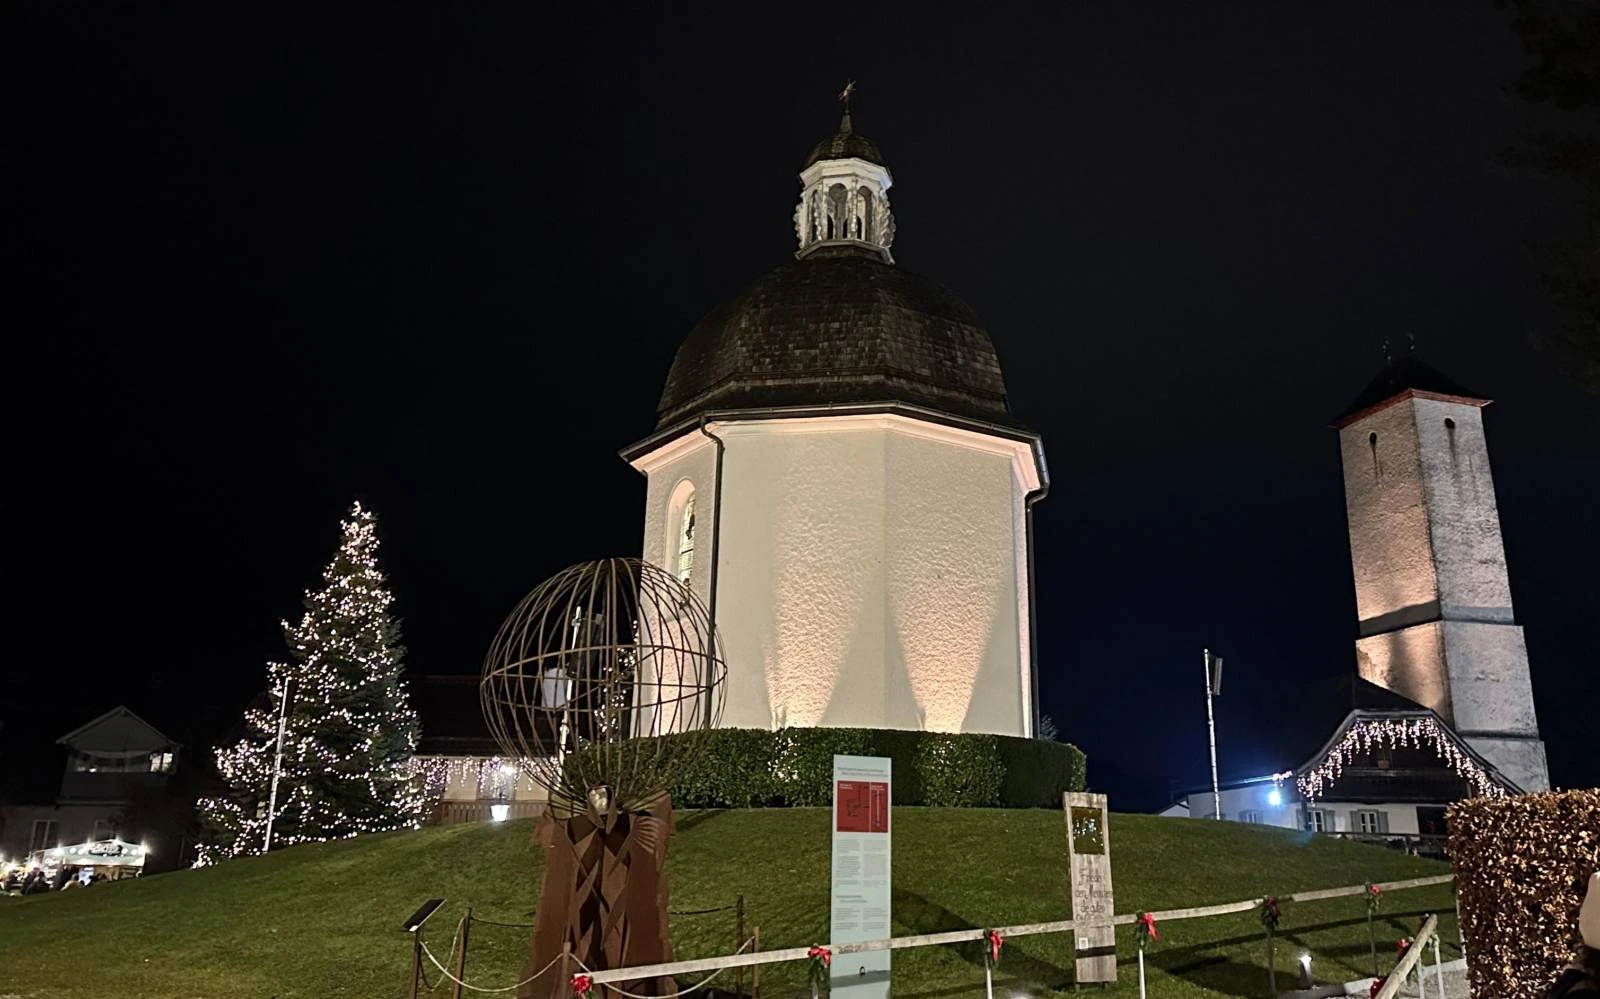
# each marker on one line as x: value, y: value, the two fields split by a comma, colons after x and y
x: 479, y: 988
x: 700, y: 912
x: 496, y: 922
x: 670, y: 912
x: 455, y: 941
x: 962, y: 936
x: 671, y: 995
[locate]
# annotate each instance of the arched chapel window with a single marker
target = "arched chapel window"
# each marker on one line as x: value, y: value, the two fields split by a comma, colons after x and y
x: 685, y: 565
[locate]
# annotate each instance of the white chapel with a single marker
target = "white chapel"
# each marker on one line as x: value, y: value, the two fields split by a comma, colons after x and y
x: 836, y: 474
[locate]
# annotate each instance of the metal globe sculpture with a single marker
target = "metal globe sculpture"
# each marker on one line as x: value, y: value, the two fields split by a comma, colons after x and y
x: 601, y: 685
x: 587, y: 673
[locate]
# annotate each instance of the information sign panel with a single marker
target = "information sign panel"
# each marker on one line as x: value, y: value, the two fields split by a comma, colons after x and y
x: 1089, y: 860
x: 860, y: 902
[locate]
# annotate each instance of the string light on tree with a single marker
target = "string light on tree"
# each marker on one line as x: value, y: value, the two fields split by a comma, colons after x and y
x: 1397, y: 733
x: 350, y: 730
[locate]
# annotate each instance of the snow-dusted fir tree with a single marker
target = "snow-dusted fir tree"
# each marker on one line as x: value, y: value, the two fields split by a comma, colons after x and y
x: 349, y: 729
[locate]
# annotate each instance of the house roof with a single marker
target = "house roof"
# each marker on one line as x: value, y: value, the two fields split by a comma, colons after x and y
x: 1378, y: 778
x: 120, y: 711
x: 451, y: 715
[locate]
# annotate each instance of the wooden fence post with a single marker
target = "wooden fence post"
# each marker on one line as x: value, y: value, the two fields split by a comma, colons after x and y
x: 755, y: 970
x: 738, y: 942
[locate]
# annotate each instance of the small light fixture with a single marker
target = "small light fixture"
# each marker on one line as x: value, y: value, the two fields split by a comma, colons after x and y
x: 1305, y: 971
x: 498, y: 813
x: 1275, y: 797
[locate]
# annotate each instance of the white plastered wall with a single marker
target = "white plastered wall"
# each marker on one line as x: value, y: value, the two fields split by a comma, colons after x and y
x: 872, y: 570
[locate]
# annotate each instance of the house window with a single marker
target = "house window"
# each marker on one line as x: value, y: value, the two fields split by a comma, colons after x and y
x: 686, y: 540
x: 160, y: 763
x: 1250, y: 816
x: 46, y: 833
x: 1318, y: 820
x: 103, y: 829
x: 1368, y: 821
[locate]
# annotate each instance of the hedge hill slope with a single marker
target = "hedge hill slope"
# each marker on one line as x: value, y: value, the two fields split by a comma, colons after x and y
x: 323, y: 920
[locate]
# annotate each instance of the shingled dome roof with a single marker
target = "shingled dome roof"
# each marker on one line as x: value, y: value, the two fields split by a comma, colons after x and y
x: 845, y: 144
x: 840, y: 325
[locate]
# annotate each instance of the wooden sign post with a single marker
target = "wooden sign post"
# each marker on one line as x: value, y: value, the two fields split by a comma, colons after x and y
x: 860, y: 904
x: 1089, y: 860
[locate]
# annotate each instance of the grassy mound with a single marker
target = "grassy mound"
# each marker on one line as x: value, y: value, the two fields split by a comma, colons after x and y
x: 324, y: 920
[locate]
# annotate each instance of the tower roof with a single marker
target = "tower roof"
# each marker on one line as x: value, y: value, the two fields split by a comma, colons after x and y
x: 839, y: 325
x: 1404, y: 378
x: 845, y: 144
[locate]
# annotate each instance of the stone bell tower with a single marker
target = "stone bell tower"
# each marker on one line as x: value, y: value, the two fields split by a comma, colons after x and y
x: 1432, y: 592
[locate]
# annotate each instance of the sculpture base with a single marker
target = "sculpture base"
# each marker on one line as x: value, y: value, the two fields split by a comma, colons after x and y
x: 604, y: 895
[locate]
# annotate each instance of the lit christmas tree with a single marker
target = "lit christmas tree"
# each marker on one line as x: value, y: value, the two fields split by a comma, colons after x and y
x: 349, y: 730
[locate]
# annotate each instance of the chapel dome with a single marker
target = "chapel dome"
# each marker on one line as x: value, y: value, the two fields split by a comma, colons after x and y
x: 839, y: 325
x: 845, y: 144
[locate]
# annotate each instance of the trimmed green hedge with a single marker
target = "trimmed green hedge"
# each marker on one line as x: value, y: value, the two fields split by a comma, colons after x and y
x: 793, y: 767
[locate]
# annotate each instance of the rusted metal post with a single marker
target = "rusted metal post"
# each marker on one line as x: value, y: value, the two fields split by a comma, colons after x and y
x: 416, y: 964
x: 738, y: 942
x: 461, y: 953
x: 1272, y: 963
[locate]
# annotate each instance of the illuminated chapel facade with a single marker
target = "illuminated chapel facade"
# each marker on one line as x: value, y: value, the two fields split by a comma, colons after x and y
x: 836, y: 473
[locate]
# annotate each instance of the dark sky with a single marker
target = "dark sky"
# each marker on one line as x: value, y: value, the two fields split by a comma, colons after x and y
x: 263, y: 260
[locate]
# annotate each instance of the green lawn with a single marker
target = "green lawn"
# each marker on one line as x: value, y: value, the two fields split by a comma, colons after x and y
x: 323, y: 920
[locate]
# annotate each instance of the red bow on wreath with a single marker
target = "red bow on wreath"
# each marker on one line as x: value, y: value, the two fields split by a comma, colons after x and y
x: 820, y: 960
x: 1269, y: 913
x: 1377, y: 986
x: 992, y: 938
x: 1145, y: 926
x: 581, y: 984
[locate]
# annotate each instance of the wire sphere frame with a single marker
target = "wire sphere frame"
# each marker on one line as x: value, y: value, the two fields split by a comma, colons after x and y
x: 591, y: 670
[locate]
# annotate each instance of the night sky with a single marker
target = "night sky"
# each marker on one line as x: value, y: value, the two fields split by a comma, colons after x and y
x: 263, y: 261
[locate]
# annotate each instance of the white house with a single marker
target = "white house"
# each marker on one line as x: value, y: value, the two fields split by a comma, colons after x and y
x: 469, y: 779
x: 1386, y: 775
x: 111, y: 761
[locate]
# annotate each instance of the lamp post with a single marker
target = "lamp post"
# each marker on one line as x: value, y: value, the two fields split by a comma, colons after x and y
x: 277, y: 766
x: 1213, y: 689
